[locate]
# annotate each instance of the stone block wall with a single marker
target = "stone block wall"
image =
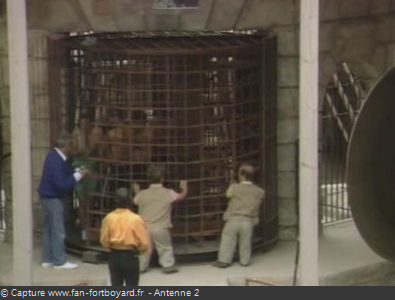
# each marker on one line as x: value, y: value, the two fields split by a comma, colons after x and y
x: 362, y: 33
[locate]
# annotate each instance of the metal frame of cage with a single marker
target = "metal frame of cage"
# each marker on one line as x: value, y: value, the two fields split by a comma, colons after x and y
x: 209, y: 104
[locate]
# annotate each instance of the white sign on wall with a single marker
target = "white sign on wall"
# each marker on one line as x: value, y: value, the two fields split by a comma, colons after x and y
x: 176, y: 4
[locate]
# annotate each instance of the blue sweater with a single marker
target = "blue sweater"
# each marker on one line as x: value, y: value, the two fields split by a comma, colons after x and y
x: 57, y: 180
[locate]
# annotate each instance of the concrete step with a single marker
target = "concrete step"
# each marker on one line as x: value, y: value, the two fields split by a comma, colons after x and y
x: 380, y: 274
x: 69, y: 282
x: 259, y: 281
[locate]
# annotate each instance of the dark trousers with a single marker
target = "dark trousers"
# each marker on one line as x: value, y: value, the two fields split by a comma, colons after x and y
x: 124, y: 268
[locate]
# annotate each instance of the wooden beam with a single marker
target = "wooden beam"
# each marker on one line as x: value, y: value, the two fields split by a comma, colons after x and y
x: 308, y: 157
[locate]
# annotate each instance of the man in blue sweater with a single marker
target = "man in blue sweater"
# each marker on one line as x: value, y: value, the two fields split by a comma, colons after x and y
x: 58, y: 180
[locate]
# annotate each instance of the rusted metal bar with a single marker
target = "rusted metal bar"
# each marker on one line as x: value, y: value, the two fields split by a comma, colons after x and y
x: 344, y: 97
x: 354, y: 84
x: 335, y: 115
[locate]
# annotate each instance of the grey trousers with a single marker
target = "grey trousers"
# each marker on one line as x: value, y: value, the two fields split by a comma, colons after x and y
x: 233, y: 232
x: 161, y: 240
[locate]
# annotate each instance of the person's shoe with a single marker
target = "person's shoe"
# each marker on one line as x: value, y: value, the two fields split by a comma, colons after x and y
x: 170, y: 270
x: 66, y: 266
x: 220, y: 264
x: 245, y: 265
x: 47, y: 265
x: 143, y: 271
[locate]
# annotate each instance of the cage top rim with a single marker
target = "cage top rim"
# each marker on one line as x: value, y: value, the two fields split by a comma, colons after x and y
x: 158, y: 34
x: 153, y: 43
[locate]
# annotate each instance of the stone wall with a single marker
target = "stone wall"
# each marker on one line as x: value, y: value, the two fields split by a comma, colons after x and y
x: 360, y: 32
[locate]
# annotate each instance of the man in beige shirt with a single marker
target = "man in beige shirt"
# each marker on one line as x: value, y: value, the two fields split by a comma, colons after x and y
x: 240, y: 218
x: 154, y: 207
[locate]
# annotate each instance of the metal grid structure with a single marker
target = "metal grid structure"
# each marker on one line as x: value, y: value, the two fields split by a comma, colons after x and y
x: 176, y: 4
x: 343, y: 100
x: 190, y: 102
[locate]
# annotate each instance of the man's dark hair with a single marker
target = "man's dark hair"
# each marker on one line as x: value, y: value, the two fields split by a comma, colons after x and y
x: 156, y: 174
x: 248, y: 171
x: 122, y: 198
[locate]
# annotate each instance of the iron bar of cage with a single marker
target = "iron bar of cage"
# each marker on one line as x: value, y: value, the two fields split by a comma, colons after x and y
x: 127, y: 36
x: 172, y: 52
x: 168, y: 90
x: 343, y: 96
x: 335, y: 115
x: 342, y: 155
x: 337, y: 173
x: 245, y: 66
x: 172, y: 145
x: 341, y: 164
x: 337, y: 207
x: 201, y: 186
x: 205, y: 132
x: 333, y: 154
x: 338, y: 114
x: 185, y: 138
x: 219, y: 134
x: 324, y: 164
x: 353, y: 82
x: 334, y: 129
x: 178, y: 108
x: 238, y: 140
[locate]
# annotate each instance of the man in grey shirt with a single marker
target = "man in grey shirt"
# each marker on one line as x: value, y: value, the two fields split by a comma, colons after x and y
x: 240, y: 218
x: 154, y: 207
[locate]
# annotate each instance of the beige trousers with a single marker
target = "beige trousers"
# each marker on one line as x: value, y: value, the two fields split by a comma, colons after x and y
x: 161, y: 240
x: 233, y: 232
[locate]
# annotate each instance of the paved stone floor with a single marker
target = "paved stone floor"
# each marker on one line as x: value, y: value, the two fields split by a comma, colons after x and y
x: 341, y: 250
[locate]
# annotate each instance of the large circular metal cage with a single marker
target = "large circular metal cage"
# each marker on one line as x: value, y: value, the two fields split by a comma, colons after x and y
x: 197, y: 104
